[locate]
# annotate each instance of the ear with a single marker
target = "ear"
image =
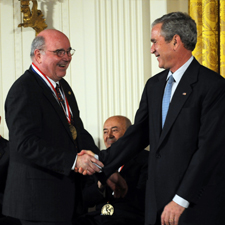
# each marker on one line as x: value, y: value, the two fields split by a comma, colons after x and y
x: 176, y: 41
x: 38, y: 56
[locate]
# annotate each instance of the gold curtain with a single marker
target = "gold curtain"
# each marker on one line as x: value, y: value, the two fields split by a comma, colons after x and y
x: 210, y: 19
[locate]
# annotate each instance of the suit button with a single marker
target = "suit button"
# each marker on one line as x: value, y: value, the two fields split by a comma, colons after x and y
x: 158, y: 156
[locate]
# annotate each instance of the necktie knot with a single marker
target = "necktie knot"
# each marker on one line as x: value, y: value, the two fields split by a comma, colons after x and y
x: 170, y: 80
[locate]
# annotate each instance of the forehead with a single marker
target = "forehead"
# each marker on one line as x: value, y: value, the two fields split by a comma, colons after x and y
x: 113, y: 123
x: 57, y: 42
x: 156, y: 32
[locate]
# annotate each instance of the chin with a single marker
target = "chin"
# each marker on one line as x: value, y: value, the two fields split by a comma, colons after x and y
x: 61, y: 75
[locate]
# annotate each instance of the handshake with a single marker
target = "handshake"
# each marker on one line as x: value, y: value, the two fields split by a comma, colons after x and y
x: 87, y: 164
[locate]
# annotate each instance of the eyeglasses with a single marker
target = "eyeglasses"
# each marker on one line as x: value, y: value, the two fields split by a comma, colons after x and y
x: 62, y: 52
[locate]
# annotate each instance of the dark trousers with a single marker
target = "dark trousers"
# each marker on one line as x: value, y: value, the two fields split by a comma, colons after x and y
x: 6, y: 220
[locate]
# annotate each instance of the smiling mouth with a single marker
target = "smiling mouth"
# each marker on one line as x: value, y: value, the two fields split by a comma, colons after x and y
x: 63, y: 66
x: 111, y: 141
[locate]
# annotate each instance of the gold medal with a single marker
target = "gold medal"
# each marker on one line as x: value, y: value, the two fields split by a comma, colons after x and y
x: 73, y: 131
x: 107, y: 210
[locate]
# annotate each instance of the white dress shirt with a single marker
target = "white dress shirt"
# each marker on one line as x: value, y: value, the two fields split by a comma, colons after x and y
x: 177, y: 75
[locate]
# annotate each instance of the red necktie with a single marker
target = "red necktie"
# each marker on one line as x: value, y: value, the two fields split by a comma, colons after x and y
x: 61, y: 100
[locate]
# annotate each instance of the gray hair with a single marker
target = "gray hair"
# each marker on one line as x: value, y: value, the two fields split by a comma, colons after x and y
x: 37, y: 43
x: 181, y: 24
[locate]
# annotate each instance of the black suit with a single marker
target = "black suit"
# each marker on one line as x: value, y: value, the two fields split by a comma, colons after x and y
x: 4, y: 162
x: 187, y: 156
x: 127, y: 210
x: 41, y: 185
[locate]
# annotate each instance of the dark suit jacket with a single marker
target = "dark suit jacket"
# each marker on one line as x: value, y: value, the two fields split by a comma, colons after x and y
x: 41, y: 185
x: 131, y: 207
x: 187, y: 156
x: 4, y: 163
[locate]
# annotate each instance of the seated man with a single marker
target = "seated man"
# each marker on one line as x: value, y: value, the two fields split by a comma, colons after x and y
x: 119, y: 211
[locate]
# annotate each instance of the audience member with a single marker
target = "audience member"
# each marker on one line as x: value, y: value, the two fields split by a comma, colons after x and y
x: 110, y: 210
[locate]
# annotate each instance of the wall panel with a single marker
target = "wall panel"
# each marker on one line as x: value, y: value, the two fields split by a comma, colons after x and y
x: 112, y: 59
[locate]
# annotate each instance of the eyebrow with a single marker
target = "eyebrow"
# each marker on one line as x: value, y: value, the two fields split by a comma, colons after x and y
x: 63, y: 49
x: 110, y: 128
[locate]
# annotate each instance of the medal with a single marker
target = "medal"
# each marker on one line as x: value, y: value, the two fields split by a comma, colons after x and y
x: 73, y: 131
x: 107, y: 210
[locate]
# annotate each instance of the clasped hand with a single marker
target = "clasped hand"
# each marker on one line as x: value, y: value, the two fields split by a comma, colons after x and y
x: 85, y: 166
x: 85, y: 163
x: 118, y: 185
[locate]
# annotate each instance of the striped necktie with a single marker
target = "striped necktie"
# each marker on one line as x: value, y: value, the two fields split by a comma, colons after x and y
x: 61, y: 100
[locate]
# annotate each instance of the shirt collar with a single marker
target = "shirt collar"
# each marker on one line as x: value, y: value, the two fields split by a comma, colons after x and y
x: 177, y: 75
x: 53, y: 82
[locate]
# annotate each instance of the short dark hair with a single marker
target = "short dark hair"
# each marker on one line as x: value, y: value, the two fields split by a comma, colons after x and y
x: 181, y: 24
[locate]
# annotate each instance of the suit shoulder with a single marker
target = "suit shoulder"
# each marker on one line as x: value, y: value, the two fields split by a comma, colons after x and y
x: 211, y: 80
x: 209, y: 75
x: 152, y: 80
x: 25, y: 78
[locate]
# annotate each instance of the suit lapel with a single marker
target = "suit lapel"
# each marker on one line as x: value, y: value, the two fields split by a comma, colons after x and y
x: 180, y: 96
x: 49, y: 95
x: 73, y: 105
x: 158, y: 90
x: 72, y: 102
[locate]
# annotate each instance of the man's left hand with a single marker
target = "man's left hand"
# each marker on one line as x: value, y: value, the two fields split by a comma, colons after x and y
x: 171, y: 214
x: 117, y: 183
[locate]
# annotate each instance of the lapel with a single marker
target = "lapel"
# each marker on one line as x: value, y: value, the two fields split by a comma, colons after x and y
x: 71, y: 100
x: 74, y: 108
x: 182, y: 93
x: 48, y: 94
x: 158, y: 90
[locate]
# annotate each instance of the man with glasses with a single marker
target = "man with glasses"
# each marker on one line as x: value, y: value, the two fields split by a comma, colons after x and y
x: 45, y: 135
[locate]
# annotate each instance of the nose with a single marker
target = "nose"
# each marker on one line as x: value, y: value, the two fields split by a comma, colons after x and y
x: 110, y: 134
x: 152, y: 49
x: 67, y: 56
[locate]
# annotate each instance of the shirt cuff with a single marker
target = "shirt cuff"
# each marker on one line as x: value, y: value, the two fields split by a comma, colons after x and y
x: 180, y: 201
x: 73, y: 167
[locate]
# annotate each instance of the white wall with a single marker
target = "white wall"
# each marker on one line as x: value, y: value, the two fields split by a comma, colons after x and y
x: 112, y: 60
